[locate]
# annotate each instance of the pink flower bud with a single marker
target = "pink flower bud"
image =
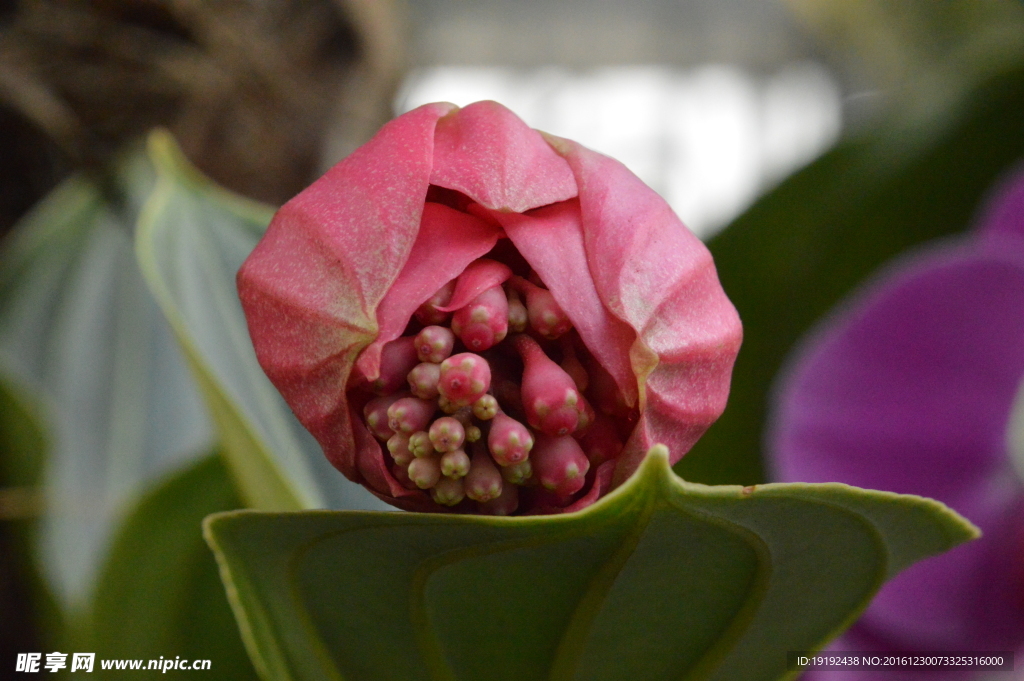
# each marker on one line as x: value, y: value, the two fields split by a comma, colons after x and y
x: 427, y: 313
x: 483, y: 321
x: 517, y: 314
x: 486, y: 407
x: 509, y: 441
x: 505, y: 503
x: 425, y: 471
x: 483, y: 482
x: 550, y: 397
x: 434, y: 214
x: 434, y: 344
x: 398, y: 446
x: 464, y: 378
x: 545, y: 315
x: 423, y: 380
x: 455, y: 464
x: 517, y: 473
x: 420, y: 444
x: 559, y: 464
x: 448, y: 491
x: 447, y: 434
x: 397, y: 359
x: 409, y: 414
x: 375, y: 414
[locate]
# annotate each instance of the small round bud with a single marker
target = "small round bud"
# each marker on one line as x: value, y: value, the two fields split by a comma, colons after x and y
x: 448, y: 491
x: 447, y: 434
x: 455, y: 464
x: 423, y: 380
x: 473, y: 434
x: 559, y: 464
x: 484, y: 321
x: 517, y: 473
x: 409, y: 414
x: 375, y: 414
x: 465, y: 377
x: 483, y: 482
x: 509, y: 441
x: 485, y: 408
x: 425, y: 472
x: 434, y: 344
x: 398, y: 446
x: 420, y: 444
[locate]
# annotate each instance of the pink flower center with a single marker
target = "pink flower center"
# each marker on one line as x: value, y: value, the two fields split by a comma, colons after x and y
x: 490, y: 404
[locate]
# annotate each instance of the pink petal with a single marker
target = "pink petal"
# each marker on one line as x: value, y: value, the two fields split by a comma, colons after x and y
x: 312, y: 284
x: 447, y: 242
x: 552, y: 241
x: 477, y: 278
x: 655, y: 275
x: 486, y: 152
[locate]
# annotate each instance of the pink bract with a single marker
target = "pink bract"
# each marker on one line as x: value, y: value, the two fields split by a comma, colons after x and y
x: 345, y: 264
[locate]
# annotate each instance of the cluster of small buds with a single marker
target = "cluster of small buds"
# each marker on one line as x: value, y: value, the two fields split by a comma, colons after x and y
x: 473, y: 408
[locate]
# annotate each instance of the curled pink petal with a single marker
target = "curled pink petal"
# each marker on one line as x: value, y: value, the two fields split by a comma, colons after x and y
x: 478, y: 276
x: 486, y: 152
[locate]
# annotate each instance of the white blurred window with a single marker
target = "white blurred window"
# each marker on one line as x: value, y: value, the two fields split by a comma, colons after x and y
x: 709, y: 139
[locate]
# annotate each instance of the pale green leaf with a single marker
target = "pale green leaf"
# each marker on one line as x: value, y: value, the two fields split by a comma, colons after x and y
x: 662, y: 579
x: 193, y: 237
x: 80, y: 334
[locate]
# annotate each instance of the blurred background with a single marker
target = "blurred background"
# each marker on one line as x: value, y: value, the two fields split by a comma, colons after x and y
x: 807, y: 142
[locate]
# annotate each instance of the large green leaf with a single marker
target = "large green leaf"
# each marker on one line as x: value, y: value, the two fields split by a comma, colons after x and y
x: 193, y: 237
x: 82, y: 337
x: 662, y: 579
x: 158, y: 594
x: 804, y: 246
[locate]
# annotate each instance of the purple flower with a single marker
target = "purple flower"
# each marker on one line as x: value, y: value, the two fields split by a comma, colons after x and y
x: 909, y: 387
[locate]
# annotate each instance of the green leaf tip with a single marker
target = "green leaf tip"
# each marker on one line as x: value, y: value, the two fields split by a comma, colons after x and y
x: 725, y: 577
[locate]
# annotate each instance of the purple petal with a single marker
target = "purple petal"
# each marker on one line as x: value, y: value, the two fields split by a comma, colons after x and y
x: 910, y: 390
x: 1003, y: 214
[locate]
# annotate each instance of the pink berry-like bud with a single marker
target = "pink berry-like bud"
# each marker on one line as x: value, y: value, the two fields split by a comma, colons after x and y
x: 420, y: 444
x: 484, y: 321
x: 509, y: 440
x: 559, y: 464
x: 465, y: 378
x: 427, y: 313
x: 397, y: 359
x: 447, y: 434
x: 486, y: 407
x: 550, y: 398
x: 546, y: 316
x: 517, y: 473
x: 423, y: 380
x: 434, y: 344
x: 425, y: 472
x: 409, y: 414
x: 455, y: 464
x: 375, y: 413
x: 505, y: 503
x: 448, y: 491
x: 517, y: 315
x: 586, y: 417
x: 483, y: 482
x: 398, y: 446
